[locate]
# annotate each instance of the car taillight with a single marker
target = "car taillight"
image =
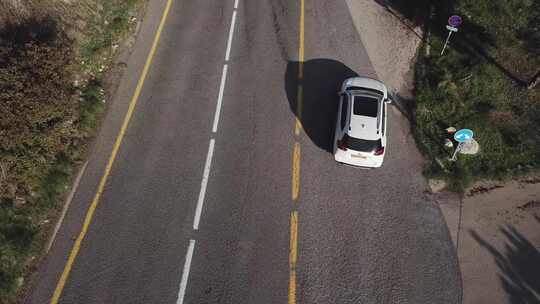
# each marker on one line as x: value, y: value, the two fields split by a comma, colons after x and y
x: 342, y: 144
x: 379, y: 151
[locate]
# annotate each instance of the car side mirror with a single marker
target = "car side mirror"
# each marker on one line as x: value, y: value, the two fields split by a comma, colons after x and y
x: 388, y: 100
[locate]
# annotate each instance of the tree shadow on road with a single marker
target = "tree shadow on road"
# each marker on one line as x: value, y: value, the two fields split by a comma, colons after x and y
x: 322, y: 79
x: 519, y: 265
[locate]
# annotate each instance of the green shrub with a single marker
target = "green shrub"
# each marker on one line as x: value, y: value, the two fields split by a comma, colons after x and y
x: 476, y: 85
x: 36, y: 131
x: 36, y: 105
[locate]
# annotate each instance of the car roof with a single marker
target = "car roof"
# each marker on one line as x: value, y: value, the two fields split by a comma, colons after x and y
x: 365, y: 126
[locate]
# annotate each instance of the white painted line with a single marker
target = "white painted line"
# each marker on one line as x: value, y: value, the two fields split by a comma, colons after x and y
x: 185, y: 274
x: 66, y: 207
x: 225, y: 68
x: 231, y: 33
x: 220, y: 98
x: 204, y: 183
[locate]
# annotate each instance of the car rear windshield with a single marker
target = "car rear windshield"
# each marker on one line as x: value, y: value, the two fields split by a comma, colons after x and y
x: 365, y: 106
x: 361, y: 145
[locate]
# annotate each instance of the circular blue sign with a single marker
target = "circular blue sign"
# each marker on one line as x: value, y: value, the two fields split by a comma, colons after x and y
x: 454, y: 21
x: 463, y: 135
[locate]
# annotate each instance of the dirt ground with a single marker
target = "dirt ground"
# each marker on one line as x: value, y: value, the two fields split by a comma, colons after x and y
x: 390, y: 41
x: 499, y: 242
x: 496, y: 230
x: 495, y: 226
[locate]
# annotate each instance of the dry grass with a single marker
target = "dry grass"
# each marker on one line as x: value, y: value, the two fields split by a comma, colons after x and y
x: 72, y: 15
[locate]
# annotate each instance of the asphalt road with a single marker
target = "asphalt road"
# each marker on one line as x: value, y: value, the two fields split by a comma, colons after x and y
x: 362, y: 236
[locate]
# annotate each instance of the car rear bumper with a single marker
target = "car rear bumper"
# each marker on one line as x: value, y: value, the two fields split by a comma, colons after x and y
x: 358, y: 159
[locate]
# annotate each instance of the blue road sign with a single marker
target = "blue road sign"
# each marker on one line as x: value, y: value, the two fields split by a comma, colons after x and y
x: 463, y: 135
x: 454, y: 21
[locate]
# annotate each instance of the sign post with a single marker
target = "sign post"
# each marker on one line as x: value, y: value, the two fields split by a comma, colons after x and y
x: 453, y: 23
x: 462, y: 136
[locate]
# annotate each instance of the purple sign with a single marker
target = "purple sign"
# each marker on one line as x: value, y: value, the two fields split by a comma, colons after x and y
x: 454, y: 21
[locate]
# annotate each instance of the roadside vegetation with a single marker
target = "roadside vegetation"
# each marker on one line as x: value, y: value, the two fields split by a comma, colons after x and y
x: 487, y: 81
x: 54, y: 56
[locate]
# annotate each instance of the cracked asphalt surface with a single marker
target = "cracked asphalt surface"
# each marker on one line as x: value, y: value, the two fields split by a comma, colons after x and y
x: 363, y: 236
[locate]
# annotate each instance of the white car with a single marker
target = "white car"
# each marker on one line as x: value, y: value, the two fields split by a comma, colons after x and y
x: 360, y: 136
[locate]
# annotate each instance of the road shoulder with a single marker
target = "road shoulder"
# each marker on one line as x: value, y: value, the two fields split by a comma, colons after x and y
x: 120, y: 84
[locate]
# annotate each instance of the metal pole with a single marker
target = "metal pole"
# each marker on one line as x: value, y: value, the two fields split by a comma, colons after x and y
x: 446, y: 42
x: 458, y: 148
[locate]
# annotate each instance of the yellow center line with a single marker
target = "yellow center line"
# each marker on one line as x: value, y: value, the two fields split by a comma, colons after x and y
x: 292, y: 257
x: 293, y: 253
x: 300, y: 94
x: 296, y: 172
x: 90, y: 213
x: 301, y: 46
x: 299, y: 101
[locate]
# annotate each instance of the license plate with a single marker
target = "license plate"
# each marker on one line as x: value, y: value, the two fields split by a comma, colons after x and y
x: 358, y: 156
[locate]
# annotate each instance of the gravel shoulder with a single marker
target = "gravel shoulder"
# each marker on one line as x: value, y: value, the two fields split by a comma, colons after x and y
x: 390, y: 42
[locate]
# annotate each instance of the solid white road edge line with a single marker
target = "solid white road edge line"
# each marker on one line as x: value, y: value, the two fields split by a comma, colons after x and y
x: 204, y: 183
x: 66, y: 207
x: 185, y: 273
x: 231, y: 33
x: 220, y: 98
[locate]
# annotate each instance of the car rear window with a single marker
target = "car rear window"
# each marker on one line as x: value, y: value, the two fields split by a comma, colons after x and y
x: 361, y: 145
x: 365, y: 106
